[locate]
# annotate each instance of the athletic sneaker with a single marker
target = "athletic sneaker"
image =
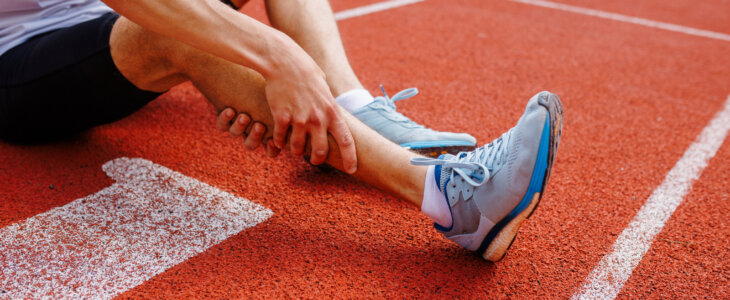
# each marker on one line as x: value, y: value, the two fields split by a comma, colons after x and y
x: 493, y: 189
x: 381, y: 115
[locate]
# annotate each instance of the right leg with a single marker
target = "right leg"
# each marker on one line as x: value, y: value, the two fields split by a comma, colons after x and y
x: 156, y: 63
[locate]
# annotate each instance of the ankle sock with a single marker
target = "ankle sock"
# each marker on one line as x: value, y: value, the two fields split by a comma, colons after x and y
x: 434, y: 203
x: 354, y: 99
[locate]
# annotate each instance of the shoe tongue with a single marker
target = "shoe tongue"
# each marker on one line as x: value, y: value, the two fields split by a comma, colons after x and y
x: 380, y: 101
x: 393, y: 114
x: 441, y: 175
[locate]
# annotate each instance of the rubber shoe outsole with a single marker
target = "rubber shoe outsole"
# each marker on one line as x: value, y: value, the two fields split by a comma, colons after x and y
x: 434, y: 152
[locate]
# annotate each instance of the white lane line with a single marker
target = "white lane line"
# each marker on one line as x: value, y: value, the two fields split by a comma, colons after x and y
x: 607, y: 279
x: 376, y: 7
x: 101, y: 245
x: 628, y: 19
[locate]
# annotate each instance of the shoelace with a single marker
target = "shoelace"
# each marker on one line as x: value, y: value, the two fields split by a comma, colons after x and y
x: 492, y: 154
x: 388, y: 105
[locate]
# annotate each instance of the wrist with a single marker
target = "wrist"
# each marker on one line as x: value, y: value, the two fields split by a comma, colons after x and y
x: 284, y: 57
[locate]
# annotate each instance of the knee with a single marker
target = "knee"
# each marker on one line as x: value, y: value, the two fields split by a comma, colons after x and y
x: 147, y: 59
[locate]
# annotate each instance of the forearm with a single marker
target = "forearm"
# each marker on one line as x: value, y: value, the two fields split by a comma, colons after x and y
x: 312, y: 25
x: 214, y: 28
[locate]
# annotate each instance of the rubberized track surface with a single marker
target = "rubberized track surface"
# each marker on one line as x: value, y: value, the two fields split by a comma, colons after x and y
x: 635, y: 98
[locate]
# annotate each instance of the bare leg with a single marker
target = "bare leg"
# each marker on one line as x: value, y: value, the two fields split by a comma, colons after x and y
x: 312, y: 25
x: 156, y: 63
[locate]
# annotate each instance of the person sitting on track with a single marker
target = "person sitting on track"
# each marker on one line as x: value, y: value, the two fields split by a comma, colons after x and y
x: 69, y: 65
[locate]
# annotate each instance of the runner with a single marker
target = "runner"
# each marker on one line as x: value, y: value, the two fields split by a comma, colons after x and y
x: 69, y: 65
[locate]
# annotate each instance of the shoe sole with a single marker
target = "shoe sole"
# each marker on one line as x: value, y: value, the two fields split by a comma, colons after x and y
x: 501, y: 241
x: 434, y: 152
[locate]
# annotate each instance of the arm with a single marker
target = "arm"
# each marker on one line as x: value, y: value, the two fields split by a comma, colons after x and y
x: 213, y: 27
x: 296, y: 89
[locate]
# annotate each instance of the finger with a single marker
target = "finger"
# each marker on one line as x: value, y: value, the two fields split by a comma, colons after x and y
x: 281, y: 126
x: 346, y: 143
x: 253, y: 140
x: 224, y: 118
x: 320, y: 146
x: 240, y: 125
x: 297, y: 140
x: 271, y: 149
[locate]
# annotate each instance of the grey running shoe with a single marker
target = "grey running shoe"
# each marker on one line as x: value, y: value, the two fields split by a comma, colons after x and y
x: 493, y: 189
x: 381, y: 115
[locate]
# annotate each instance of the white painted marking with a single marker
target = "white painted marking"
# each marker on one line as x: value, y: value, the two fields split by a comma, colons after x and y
x: 101, y: 245
x: 376, y: 7
x: 628, y: 19
x: 608, y: 278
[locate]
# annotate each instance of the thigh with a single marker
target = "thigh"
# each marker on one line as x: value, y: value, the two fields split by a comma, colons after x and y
x: 63, y: 82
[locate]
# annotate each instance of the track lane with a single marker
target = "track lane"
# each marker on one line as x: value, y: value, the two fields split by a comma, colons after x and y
x: 608, y: 277
x: 36, y: 178
x: 621, y: 88
x: 709, y: 14
x: 689, y: 257
x: 628, y: 19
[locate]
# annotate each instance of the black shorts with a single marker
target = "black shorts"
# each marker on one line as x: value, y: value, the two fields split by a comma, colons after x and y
x: 63, y: 82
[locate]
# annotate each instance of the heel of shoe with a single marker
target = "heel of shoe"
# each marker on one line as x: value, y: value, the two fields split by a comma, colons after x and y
x: 498, y: 248
x: 554, y: 106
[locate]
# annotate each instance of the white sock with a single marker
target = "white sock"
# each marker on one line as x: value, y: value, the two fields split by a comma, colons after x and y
x: 434, y: 203
x: 354, y: 99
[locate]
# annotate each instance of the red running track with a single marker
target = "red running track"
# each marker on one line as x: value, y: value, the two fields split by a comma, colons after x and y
x: 635, y: 99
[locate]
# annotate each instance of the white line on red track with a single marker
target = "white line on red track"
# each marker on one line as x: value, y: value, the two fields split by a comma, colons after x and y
x: 609, y: 277
x: 628, y: 19
x: 101, y: 245
x: 376, y: 7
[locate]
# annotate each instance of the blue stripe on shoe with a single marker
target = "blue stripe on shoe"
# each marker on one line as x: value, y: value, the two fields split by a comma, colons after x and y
x: 437, y: 177
x: 536, y: 184
x: 435, y: 144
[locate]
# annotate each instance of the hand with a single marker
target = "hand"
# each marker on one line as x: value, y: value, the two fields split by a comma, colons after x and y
x: 238, y: 127
x: 300, y: 99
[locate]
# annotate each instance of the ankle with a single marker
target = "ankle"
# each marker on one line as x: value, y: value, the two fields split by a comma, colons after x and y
x: 434, y: 203
x: 354, y: 99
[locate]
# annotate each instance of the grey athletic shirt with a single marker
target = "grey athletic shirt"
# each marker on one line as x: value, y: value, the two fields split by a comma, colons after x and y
x: 23, y: 19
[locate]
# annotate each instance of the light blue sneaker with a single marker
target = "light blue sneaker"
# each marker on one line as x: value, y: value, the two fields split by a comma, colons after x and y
x: 381, y: 115
x: 493, y: 189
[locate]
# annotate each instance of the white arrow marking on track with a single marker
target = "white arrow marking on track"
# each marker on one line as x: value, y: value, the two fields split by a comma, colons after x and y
x: 101, y: 245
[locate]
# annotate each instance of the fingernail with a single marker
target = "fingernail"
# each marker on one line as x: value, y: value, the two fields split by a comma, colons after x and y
x: 321, y: 152
x: 229, y: 113
x: 258, y: 127
x: 241, y: 120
